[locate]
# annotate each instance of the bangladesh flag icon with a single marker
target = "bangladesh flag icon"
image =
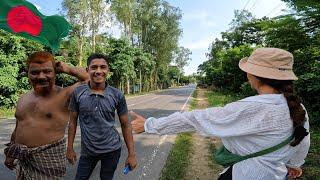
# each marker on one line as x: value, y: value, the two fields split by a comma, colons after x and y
x: 23, y: 18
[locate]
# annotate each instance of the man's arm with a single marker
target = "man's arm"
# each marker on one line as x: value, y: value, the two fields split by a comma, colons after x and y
x: 78, y: 72
x: 71, y: 155
x: 128, y: 138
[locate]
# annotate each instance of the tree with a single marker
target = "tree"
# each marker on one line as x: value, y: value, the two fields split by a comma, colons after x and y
x: 152, y: 25
x: 85, y: 16
x: 124, y: 12
x: 308, y: 12
x: 173, y: 74
x: 98, y: 17
x: 13, y: 53
x: 284, y: 32
x: 244, y: 29
x: 182, y: 58
x: 78, y: 15
x: 121, y: 62
x: 143, y: 62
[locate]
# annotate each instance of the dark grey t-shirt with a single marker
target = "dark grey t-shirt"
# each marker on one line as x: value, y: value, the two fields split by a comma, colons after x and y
x: 97, y: 118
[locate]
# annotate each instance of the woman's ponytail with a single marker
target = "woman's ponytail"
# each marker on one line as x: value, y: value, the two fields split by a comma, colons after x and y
x: 297, y: 113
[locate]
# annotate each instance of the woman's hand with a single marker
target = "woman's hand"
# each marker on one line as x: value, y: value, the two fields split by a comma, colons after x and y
x: 137, y: 122
x: 294, y: 172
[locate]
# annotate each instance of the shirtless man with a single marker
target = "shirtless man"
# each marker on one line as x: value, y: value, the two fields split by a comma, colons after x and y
x: 42, y: 116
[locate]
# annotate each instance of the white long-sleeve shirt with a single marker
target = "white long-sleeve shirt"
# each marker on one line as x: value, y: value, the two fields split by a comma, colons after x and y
x: 245, y: 127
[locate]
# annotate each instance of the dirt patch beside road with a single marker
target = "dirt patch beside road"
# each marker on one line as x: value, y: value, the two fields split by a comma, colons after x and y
x: 201, y: 166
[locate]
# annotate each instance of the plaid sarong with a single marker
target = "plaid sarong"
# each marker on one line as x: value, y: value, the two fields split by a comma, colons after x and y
x: 47, y: 162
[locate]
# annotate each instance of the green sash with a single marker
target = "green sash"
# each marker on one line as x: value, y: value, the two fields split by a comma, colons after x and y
x: 226, y: 158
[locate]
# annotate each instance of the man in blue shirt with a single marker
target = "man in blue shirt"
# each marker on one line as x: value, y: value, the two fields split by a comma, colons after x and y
x: 95, y: 104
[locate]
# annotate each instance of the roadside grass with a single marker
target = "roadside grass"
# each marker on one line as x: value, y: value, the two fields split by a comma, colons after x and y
x: 6, y: 113
x: 178, y: 159
x: 219, y: 98
x: 311, y: 168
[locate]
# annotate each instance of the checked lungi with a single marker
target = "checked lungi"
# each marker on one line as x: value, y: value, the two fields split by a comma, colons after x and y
x: 47, y: 162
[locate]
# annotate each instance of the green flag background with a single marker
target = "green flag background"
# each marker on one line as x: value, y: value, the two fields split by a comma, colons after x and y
x: 23, y: 18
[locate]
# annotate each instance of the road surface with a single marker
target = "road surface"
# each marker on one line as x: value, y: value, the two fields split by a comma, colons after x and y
x: 151, y: 150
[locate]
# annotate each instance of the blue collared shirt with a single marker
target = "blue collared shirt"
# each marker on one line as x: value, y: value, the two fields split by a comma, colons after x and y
x: 96, y: 115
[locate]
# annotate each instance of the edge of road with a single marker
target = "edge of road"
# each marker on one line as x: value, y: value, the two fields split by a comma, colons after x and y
x: 163, y: 138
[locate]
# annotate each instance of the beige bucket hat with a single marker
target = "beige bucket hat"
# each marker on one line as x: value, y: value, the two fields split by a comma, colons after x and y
x: 271, y: 63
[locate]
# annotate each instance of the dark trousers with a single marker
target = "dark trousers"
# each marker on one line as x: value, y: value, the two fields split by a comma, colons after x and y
x: 226, y: 175
x: 109, y: 162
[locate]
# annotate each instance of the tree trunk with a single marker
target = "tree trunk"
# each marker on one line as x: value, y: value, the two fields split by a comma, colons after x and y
x: 155, y: 80
x: 80, y: 52
x: 93, y: 42
x: 128, y: 85
x: 140, y: 81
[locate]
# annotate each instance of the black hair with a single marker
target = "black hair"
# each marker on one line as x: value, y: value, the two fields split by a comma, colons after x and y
x: 96, y: 56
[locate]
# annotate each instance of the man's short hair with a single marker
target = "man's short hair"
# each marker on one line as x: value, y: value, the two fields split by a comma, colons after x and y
x: 96, y: 56
x: 40, y: 57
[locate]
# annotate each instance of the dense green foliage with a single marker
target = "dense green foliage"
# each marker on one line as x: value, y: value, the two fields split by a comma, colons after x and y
x: 298, y: 33
x: 13, y: 52
x: 139, y: 61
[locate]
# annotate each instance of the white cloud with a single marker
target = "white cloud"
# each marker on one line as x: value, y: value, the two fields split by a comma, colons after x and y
x: 201, y: 18
x: 200, y: 15
x: 37, y: 6
x: 199, y: 44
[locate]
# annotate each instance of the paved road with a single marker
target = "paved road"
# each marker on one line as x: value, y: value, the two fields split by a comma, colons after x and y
x: 151, y: 150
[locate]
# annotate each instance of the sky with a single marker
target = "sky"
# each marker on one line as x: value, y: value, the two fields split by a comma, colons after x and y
x: 202, y: 20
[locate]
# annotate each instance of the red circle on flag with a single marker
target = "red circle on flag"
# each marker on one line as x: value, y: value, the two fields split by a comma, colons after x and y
x: 22, y: 19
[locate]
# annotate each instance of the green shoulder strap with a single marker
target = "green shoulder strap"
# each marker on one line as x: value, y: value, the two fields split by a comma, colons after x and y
x: 226, y: 158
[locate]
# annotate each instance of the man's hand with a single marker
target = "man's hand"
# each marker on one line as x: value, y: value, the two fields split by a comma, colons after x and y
x: 294, y: 172
x: 9, y: 162
x: 137, y: 122
x: 131, y: 161
x: 71, y: 156
x: 62, y: 67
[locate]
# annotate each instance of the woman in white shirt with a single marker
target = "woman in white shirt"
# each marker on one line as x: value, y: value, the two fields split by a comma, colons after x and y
x: 252, y: 124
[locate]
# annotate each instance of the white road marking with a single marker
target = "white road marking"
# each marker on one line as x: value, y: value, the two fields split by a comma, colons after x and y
x: 146, y: 167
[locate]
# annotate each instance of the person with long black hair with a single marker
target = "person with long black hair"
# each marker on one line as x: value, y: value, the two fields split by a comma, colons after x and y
x: 264, y: 137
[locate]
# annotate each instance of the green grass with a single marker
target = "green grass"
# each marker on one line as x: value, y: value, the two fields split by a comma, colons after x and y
x: 6, y: 113
x: 220, y: 98
x: 212, y: 149
x: 311, y: 168
x: 178, y: 159
x: 194, y: 102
